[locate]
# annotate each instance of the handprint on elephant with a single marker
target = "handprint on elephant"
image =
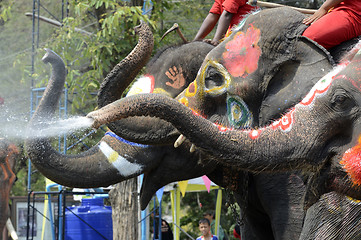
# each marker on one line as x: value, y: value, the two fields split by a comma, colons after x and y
x: 176, y: 76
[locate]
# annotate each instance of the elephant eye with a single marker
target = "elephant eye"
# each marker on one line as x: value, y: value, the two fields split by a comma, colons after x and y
x: 341, y: 101
x: 213, y: 78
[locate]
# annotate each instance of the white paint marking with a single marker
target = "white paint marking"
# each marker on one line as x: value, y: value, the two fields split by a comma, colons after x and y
x: 124, y: 167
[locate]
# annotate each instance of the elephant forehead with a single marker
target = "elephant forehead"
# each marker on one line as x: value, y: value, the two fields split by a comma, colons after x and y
x: 239, y: 53
x: 242, y: 53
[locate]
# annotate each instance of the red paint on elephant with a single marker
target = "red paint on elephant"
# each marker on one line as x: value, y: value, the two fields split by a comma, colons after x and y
x: 254, y: 134
x: 351, y: 162
x: 151, y: 78
x: 285, y: 123
x: 192, y: 88
x: 320, y: 88
x: 222, y: 128
x: 242, y: 53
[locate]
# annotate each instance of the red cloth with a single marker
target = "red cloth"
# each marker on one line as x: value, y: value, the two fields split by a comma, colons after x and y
x: 236, y: 234
x: 239, y: 8
x: 341, y: 24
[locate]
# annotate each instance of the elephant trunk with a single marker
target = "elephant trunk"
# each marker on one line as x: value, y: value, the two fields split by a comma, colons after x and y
x: 125, y: 71
x: 93, y: 168
x: 140, y: 129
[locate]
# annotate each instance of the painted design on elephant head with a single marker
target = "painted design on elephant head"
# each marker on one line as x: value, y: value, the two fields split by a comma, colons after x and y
x: 320, y: 88
x: 144, y: 84
x: 176, y: 76
x: 285, y: 123
x: 351, y: 162
x: 242, y: 52
x: 220, y: 72
x: 219, y: 87
x: 238, y: 113
x: 191, y: 89
x: 184, y: 101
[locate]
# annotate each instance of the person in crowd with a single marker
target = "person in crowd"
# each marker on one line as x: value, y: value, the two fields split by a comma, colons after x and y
x: 205, y: 229
x: 211, y: 216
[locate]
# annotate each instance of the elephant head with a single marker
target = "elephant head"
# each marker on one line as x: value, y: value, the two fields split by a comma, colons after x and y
x: 8, y: 154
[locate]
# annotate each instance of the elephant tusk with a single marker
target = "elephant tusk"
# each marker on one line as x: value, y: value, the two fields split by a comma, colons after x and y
x: 193, y: 148
x: 179, y: 140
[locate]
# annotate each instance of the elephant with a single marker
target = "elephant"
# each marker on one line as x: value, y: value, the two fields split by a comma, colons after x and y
x: 220, y: 80
x: 8, y: 154
x: 156, y: 160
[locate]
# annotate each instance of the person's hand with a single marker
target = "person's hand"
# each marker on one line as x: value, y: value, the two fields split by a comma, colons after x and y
x: 317, y: 15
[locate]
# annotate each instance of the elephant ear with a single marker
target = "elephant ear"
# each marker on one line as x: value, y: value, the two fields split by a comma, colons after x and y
x: 315, y: 188
x: 294, y: 78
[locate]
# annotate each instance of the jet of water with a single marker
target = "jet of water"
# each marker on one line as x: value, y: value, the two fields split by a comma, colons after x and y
x: 17, y: 128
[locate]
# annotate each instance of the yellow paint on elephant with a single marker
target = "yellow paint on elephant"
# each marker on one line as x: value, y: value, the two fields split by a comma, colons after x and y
x: 215, y: 90
x: 353, y: 200
x: 123, y: 165
x: 162, y: 91
x: 184, y: 101
x: 191, y: 90
x: 113, y: 157
x: 143, y: 84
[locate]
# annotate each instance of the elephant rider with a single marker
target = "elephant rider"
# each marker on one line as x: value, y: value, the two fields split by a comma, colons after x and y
x: 228, y: 12
x: 334, y: 22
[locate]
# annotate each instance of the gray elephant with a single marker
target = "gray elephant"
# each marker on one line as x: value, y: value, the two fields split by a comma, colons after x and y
x: 225, y: 79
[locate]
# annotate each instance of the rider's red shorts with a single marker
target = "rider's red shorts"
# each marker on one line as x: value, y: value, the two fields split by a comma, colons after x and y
x: 334, y: 28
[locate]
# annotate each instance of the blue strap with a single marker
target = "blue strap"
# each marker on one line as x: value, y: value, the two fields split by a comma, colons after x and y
x: 126, y: 141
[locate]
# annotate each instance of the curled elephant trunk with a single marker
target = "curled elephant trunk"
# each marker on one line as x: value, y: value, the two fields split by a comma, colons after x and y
x: 120, y: 78
x: 100, y: 166
x: 141, y: 129
x: 234, y: 147
x: 126, y: 70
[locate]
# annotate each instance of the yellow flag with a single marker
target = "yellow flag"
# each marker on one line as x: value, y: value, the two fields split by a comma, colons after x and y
x: 183, y: 186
